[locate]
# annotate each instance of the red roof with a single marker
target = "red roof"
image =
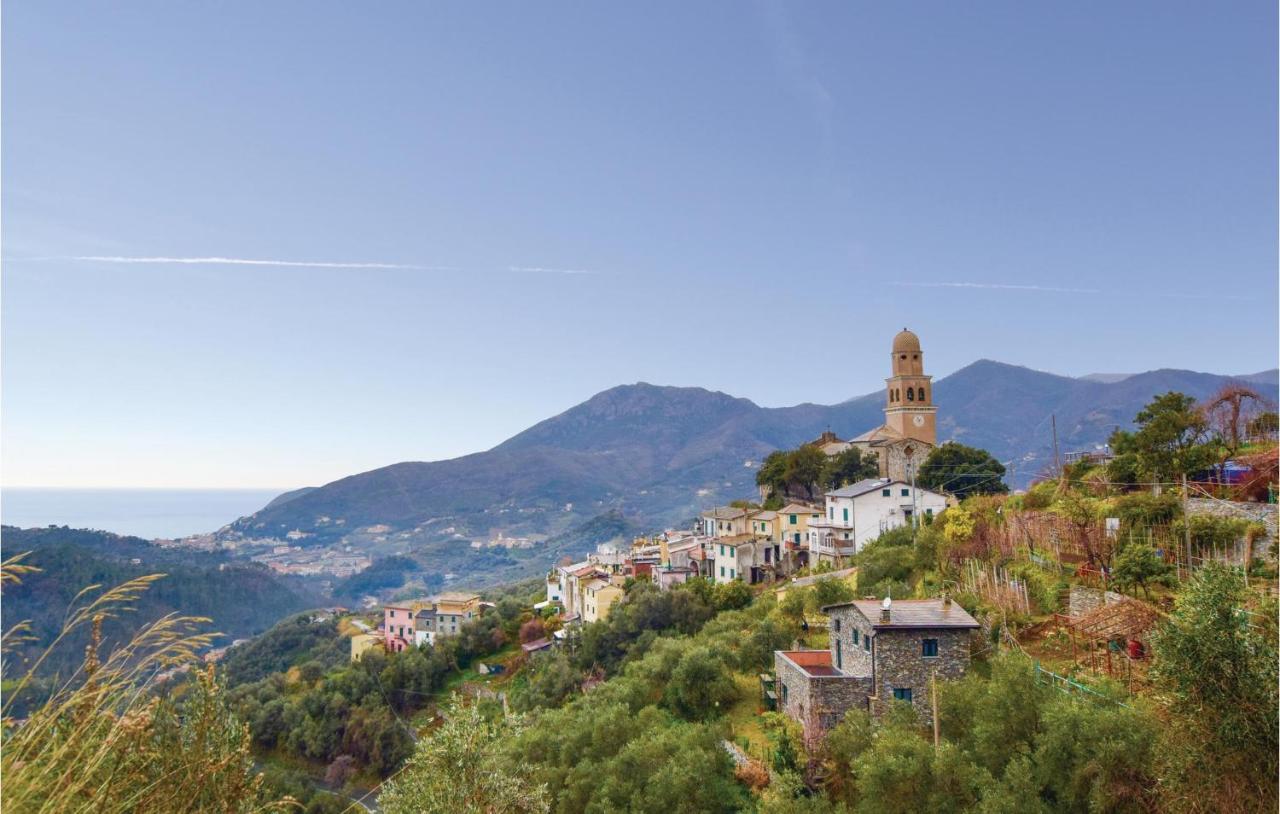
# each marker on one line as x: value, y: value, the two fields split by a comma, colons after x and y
x: 813, y: 662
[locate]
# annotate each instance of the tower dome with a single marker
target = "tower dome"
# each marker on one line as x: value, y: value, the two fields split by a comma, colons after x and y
x: 906, y: 342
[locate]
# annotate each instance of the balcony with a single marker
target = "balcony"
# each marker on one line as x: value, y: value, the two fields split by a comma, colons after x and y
x: 831, y: 545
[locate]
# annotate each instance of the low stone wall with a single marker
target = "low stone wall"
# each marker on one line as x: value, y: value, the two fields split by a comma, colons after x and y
x: 1266, y: 514
x: 1085, y: 599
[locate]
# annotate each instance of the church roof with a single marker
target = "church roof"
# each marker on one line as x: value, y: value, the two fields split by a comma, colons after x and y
x: 906, y: 342
x: 882, y: 433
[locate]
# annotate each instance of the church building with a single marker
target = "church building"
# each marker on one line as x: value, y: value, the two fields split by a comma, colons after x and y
x: 910, y: 428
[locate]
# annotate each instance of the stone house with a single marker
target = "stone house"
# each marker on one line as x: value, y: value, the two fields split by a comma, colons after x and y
x: 879, y: 652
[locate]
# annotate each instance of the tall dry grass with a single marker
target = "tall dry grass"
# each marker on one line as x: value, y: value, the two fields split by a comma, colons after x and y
x: 106, y: 739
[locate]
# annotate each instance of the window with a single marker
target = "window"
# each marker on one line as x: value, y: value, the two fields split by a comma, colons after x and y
x: 793, y: 519
x: 855, y: 636
x: 906, y: 493
x: 929, y: 512
x: 830, y: 512
x: 902, y: 694
x: 919, y: 394
x: 866, y: 643
x: 846, y: 515
x: 393, y: 614
x: 722, y: 570
x: 784, y: 693
x: 797, y: 537
x: 721, y: 551
x: 839, y: 656
x: 911, y: 394
x: 929, y: 648
x: 836, y: 623
x: 732, y: 574
x: 885, y: 492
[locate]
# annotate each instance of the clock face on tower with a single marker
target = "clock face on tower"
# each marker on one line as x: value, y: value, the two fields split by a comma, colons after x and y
x: 918, y: 420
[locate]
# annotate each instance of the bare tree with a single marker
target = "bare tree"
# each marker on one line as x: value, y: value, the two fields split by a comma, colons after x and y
x: 1229, y: 411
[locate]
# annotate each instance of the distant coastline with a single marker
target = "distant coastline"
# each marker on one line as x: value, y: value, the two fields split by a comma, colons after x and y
x: 146, y: 513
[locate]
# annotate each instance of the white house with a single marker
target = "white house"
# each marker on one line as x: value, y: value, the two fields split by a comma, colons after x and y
x: 861, y: 512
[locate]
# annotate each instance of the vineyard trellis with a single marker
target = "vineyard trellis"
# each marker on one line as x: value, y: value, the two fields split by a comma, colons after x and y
x: 994, y: 584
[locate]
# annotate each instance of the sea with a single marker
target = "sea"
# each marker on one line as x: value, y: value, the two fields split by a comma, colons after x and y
x: 147, y: 513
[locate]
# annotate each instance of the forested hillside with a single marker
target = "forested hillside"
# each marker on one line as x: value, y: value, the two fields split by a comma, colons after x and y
x: 240, y: 599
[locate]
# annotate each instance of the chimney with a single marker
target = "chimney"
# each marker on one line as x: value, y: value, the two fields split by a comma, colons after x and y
x: 946, y: 599
x: 884, y: 610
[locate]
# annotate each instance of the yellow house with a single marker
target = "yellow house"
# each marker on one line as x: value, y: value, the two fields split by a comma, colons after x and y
x: 454, y: 609
x: 763, y: 523
x: 598, y: 596
x: 793, y: 522
x: 361, y: 643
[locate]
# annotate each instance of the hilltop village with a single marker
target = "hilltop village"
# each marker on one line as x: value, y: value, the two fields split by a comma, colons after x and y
x: 879, y: 647
x: 878, y: 626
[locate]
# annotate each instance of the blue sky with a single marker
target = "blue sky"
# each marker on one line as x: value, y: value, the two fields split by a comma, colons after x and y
x: 1075, y: 187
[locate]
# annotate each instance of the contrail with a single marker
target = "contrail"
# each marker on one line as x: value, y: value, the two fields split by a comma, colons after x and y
x: 239, y: 261
x: 1003, y: 286
x: 541, y: 270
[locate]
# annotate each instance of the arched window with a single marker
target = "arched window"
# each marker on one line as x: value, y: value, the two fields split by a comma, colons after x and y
x: 911, y: 394
x: 920, y: 394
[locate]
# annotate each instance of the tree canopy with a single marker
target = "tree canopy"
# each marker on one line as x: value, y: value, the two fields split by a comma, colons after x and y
x: 1172, y: 439
x: 802, y: 473
x: 963, y: 471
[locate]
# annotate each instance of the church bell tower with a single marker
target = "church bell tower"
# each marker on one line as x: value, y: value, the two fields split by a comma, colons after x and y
x: 909, y: 408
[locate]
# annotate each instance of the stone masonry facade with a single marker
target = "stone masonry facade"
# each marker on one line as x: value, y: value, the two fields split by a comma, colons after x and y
x: 818, y: 700
x: 900, y: 665
x: 872, y: 662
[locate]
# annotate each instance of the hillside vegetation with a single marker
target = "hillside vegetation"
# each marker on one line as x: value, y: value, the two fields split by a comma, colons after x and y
x: 240, y: 599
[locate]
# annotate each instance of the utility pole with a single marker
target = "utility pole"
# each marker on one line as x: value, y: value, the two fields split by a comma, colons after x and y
x: 933, y: 691
x: 915, y: 508
x: 1186, y: 524
x: 1057, y: 461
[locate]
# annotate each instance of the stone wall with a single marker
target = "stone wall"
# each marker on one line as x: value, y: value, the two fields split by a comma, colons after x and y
x: 795, y: 700
x: 820, y: 701
x: 1263, y: 513
x: 1085, y: 599
x: 900, y: 663
x: 833, y: 696
x: 855, y: 658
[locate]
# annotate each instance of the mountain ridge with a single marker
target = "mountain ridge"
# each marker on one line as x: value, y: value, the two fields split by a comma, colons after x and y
x: 658, y: 453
